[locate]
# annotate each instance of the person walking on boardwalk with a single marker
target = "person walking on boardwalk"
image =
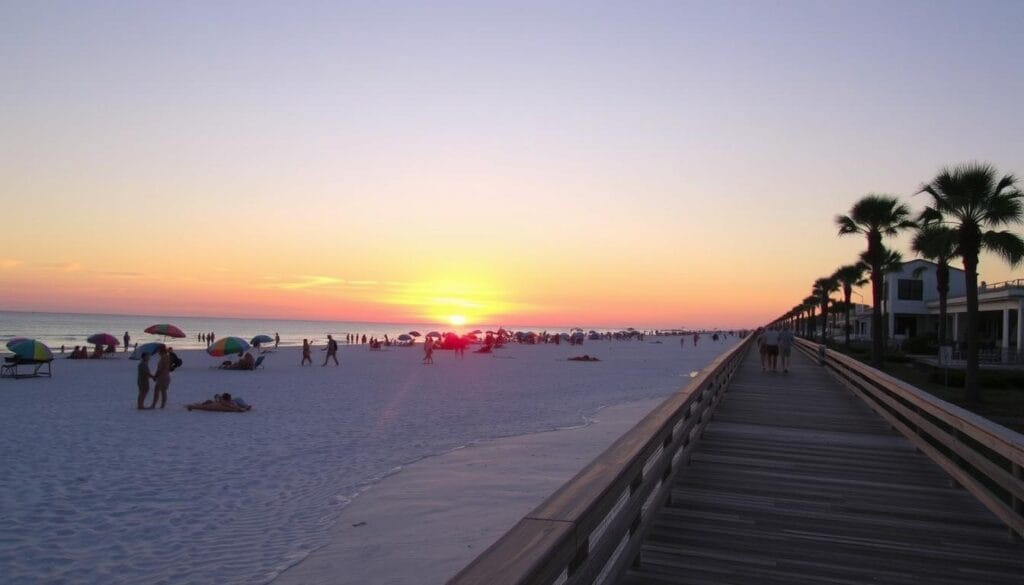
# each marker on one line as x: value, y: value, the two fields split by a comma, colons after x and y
x: 762, y: 350
x: 785, y: 346
x: 306, y: 357
x: 771, y: 347
x: 332, y: 351
x: 163, y: 378
x: 143, y: 380
x: 127, y: 338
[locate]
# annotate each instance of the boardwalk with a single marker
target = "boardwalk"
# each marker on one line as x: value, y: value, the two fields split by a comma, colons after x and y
x: 797, y: 481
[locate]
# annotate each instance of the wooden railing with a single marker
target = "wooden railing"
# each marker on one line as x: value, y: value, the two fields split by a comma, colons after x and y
x: 985, y: 458
x: 591, y: 528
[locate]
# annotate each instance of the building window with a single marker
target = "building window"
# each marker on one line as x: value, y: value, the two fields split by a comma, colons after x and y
x: 910, y: 290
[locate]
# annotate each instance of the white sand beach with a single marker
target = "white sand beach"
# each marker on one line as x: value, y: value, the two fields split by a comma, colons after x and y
x: 382, y: 470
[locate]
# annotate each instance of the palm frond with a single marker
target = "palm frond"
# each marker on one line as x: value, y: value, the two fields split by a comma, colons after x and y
x: 1007, y: 245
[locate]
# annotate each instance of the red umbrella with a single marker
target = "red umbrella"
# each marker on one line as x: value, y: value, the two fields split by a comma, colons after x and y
x: 103, y: 339
x: 165, y: 329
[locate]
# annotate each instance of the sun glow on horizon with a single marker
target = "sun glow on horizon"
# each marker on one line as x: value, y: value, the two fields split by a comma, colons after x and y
x: 457, y: 320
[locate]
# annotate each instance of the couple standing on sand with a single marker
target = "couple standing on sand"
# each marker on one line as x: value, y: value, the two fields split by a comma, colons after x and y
x: 772, y: 343
x: 162, y: 377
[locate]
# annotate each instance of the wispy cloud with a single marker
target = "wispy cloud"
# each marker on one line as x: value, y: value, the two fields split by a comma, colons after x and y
x: 122, y: 274
x: 69, y: 266
x: 306, y: 282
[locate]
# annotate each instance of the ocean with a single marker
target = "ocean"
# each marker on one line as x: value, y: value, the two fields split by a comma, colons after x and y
x: 71, y: 329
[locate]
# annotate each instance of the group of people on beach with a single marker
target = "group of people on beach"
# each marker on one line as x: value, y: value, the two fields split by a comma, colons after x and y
x: 774, y: 343
x: 162, y: 377
x: 331, y: 349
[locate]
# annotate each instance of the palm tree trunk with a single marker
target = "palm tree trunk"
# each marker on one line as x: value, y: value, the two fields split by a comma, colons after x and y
x: 846, y: 328
x: 942, y: 280
x: 877, y: 341
x: 972, y: 386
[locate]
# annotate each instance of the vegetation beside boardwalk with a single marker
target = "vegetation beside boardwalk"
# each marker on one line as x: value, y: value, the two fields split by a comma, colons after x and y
x: 1002, y: 391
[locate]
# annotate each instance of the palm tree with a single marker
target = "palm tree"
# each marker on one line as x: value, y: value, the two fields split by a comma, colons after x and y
x: 970, y: 199
x: 876, y: 216
x: 849, y: 276
x: 891, y: 261
x: 810, y: 304
x: 938, y: 243
x: 823, y: 287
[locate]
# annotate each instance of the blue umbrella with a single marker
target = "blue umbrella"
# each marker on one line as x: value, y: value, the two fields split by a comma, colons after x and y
x: 261, y: 339
x: 150, y: 348
x: 404, y: 337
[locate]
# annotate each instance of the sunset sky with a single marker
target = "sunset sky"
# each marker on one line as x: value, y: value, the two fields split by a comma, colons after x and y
x: 611, y: 163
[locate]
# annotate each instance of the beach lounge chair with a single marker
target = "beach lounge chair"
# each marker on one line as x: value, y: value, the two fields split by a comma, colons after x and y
x: 10, y: 368
x: 259, y: 362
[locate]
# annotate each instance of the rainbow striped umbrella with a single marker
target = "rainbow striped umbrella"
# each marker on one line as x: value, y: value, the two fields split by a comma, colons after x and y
x: 228, y: 346
x: 103, y: 339
x: 165, y: 329
x: 29, y: 349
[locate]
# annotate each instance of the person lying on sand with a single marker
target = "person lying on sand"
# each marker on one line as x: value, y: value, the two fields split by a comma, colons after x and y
x: 583, y: 358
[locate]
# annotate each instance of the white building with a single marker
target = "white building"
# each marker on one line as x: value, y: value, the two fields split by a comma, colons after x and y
x: 910, y: 304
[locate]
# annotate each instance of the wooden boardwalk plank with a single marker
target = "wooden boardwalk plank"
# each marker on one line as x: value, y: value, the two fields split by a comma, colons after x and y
x: 797, y: 481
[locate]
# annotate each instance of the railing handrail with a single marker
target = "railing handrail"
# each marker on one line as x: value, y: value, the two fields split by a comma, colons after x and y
x: 589, y: 524
x: 939, y: 428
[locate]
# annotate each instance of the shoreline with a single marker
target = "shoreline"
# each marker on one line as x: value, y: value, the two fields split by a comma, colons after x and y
x: 452, y: 498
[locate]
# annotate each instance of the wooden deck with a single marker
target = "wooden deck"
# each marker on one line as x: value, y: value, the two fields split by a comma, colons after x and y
x: 796, y: 481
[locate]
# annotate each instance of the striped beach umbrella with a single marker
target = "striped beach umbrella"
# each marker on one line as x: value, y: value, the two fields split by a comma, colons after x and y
x: 151, y: 348
x: 29, y: 349
x: 228, y: 346
x: 165, y: 329
x: 103, y: 339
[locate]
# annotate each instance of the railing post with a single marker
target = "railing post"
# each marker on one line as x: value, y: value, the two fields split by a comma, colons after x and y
x: 582, y: 553
x: 1016, y: 503
x: 957, y: 460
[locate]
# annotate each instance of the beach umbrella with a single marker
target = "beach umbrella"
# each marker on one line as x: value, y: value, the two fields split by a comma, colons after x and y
x: 228, y: 346
x: 475, y: 332
x: 103, y: 339
x: 261, y: 339
x: 433, y: 334
x: 404, y: 337
x: 29, y: 349
x: 150, y: 348
x: 414, y: 333
x: 165, y: 329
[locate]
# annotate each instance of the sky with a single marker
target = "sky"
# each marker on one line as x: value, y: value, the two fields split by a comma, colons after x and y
x: 635, y: 163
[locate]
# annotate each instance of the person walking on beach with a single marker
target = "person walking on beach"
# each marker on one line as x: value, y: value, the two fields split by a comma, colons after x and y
x: 277, y: 340
x: 306, y: 357
x: 163, y: 378
x: 332, y: 351
x: 143, y: 379
x: 785, y: 347
x: 428, y: 351
x: 696, y: 338
x: 127, y: 338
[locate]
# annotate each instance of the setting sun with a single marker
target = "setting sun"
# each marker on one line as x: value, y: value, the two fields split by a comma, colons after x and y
x: 457, y: 320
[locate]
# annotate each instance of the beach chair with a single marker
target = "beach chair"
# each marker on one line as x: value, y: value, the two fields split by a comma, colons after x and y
x: 259, y: 362
x: 10, y: 368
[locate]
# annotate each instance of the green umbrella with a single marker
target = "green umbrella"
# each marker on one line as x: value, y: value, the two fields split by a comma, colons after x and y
x: 29, y: 349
